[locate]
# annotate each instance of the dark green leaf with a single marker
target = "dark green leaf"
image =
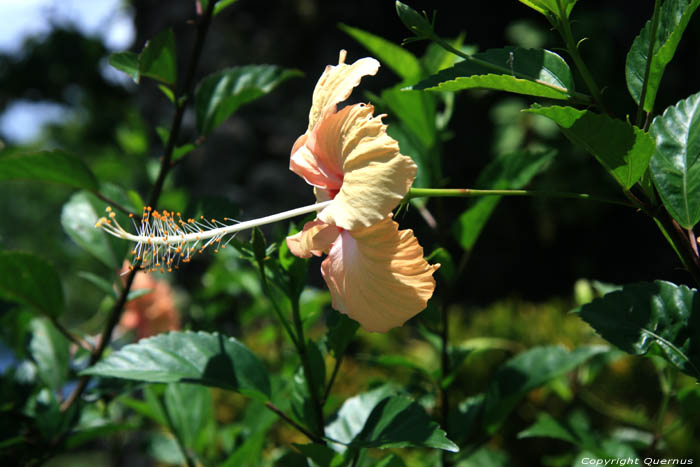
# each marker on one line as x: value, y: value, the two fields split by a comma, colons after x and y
x: 673, y: 19
x: 623, y: 149
x: 49, y: 350
x: 200, y: 358
x: 78, y: 219
x: 354, y: 413
x: 392, y: 460
x: 398, y: 422
x: 158, y: 59
x: 508, y: 171
x: 675, y: 165
x: 248, y: 454
x: 415, y: 22
x: 547, y: 426
x: 646, y: 315
x: 533, y: 72
x: 487, y: 457
x: 321, y: 455
x: 341, y: 330
x: 101, y: 283
x: 30, y: 280
x: 528, y: 370
x: 401, y: 61
x: 48, y: 166
x: 220, y: 94
x: 127, y: 62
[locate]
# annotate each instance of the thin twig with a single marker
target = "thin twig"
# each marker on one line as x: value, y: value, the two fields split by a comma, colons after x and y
x: 336, y: 367
x: 113, y: 203
x: 79, y: 341
x: 292, y: 423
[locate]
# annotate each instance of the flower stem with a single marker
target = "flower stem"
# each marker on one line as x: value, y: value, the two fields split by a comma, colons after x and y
x: 469, y: 192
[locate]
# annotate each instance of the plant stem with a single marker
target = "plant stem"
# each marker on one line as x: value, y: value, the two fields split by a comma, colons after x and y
x: 469, y: 192
x: 308, y: 374
x: 564, y: 28
x: 275, y: 306
x: 334, y: 374
x: 178, y: 439
x: 116, y: 312
x: 292, y: 423
x: 79, y: 341
x: 647, y: 68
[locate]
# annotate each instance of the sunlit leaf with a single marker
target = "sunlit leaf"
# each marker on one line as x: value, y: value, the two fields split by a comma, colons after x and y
x: 401, y: 61
x: 220, y: 94
x: 30, y: 280
x: 650, y: 315
x: 158, y: 58
x: 221, y: 4
x: 534, y: 72
x: 623, y: 149
x: 48, y: 166
x: 199, y: 358
x: 675, y: 165
x: 551, y: 6
x: 508, y: 171
x: 673, y: 19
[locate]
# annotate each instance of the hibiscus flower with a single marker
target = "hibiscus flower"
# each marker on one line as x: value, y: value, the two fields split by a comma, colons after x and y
x: 376, y: 273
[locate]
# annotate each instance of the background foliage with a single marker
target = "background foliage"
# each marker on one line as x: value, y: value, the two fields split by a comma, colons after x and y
x: 529, y: 382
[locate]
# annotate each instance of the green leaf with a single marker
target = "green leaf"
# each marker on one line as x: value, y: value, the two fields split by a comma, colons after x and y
x: 30, y: 280
x: 158, y: 59
x: 220, y: 94
x: 78, y: 218
x: 190, y: 410
x: 354, y: 413
x: 675, y: 165
x: 392, y: 460
x: 550, y: 6
x: 415, y: 22
x: 533, y: 72
x: 673, y: 19
x: 623, y: 149
x: 221, y: 4
x: 341, y: 330
x: 548, y: 427
x: 650, y: 315
x: 398, y: 422
x: 401, y: 61
x: 507, y: 171
x: 185, y: 356
x: 321, y: 455
x: 48, y: 166
x: 526, y: 371
x: 127, y: 62
x: 49, y: 350
x: 416, y: 110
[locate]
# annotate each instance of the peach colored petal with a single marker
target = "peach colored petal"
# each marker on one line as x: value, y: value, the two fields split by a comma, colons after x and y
x: 378, y: 276
x: 315, y: 238
x: 336, y: 85
x: 375, y: 175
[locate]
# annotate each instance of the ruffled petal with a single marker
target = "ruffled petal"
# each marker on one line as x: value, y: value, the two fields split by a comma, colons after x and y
x: 336, y: 85
x: 315, y: 238
x: 378, y: 276
x: 375, y: 175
